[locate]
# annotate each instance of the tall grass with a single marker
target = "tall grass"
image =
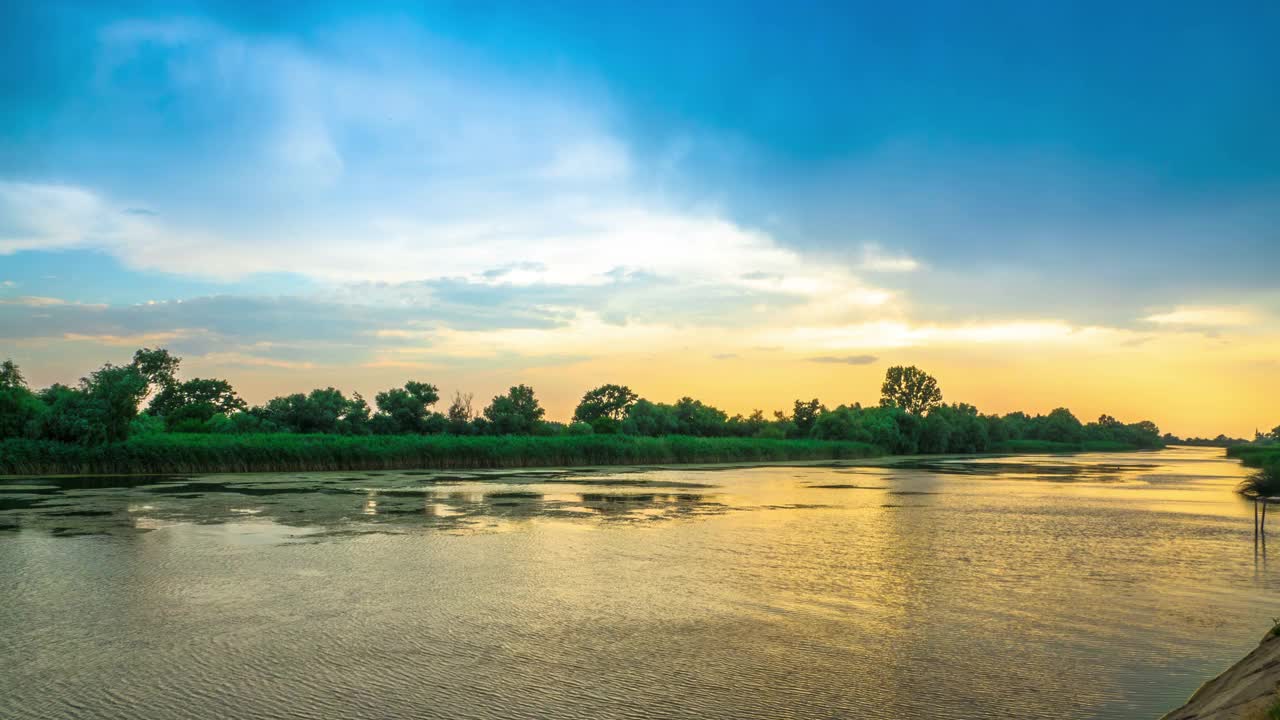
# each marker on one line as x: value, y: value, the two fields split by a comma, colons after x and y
x: 1256, y: 455
x: 190, y: 453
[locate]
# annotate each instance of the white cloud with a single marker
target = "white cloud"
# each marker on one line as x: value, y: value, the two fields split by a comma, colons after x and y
x: 1203, y: 316
x: 397, y: 165
x: 874, y: 259
x: 589, y: 160
x: 899, y: 334
x: 38, y: 216
x: 33, y: 301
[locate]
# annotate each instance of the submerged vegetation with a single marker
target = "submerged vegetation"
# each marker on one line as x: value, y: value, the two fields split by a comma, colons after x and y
x: 102, y: 425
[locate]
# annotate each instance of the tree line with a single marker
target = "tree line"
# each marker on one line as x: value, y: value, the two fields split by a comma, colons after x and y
x: 107, y: 406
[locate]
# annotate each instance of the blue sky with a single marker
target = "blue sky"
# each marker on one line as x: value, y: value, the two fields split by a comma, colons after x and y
x: 481, y: 193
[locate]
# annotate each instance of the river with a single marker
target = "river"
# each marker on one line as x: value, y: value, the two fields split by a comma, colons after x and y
x: 1085, y: 586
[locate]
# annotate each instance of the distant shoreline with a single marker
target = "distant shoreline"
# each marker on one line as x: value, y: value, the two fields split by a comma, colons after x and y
x: 281, y: 452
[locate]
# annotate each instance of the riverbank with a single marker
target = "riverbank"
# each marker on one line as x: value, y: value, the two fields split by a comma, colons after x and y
x: 282, y: 452
x: 1245, y: 691
x: 1255, y: 455
x: 200, y: 453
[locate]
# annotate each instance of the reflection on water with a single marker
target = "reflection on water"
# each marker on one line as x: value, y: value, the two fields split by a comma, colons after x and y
x: 379, y: 502
x: 1102, y: 586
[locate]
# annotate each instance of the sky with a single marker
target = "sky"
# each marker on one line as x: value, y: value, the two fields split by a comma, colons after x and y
x: 1042, y: 204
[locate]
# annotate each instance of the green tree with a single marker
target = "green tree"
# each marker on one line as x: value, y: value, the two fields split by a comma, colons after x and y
x: 606, y: 401
x: 158, y: 366
x: 324, y: 410
x: 99, y: 411
x: 936, y: 430
x: 749, y: 426
x: 804, y: 415
x: 516, y: 413
x: 911, y: 389
x: 70, y: 416
x: 20, y: 409
x: 1144, y: 434
x: 843, y: 423
x: 693, y: 417
x: 11, y: 376
x: 406, y: 410
x: 188, y: 404
x: 1017, y: 425
x: 355, y: 418
x: 1058, y: 426
x: 649, y: 418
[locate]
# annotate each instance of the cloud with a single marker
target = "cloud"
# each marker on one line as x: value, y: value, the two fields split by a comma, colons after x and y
x: 592, y: 160
x: 289, y: 328
x: 1199, y: 316
x: 874, y: 259
x: 845, y: 359
x: 404, y: 162
x: 32, y: 301
x: 433, y: 190
x: 899, y: 334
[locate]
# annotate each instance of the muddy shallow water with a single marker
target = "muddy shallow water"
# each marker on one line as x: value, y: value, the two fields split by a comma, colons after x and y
x: 1105, y: 586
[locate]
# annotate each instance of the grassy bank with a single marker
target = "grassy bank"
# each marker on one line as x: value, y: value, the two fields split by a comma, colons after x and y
x: 1049, y: 446
x: 189, y: 453
x: 1256, y: 455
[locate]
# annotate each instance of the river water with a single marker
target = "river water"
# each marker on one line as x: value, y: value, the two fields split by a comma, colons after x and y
x: 1087, y: 586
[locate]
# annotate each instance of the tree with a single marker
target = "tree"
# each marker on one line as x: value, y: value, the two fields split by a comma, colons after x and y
x: 516, y: 413
x: 606, y: 401
x: 749, y: 426
x: 355, y: 421
x: 911, y: 389
x: 320, y: 411
x: 1058, y: 426
x: 11, y: 376
x: 70, y: 416
x: 698, y: 419
x: 20, y: 409
x: 99, y: 411
x: 460, y: 414
x: 649, y: 418
x: 805, y: 414
x: 839, y: 424
x: 195, y: 401
x: 159, y: 367
x: 117, y: 390
x: 936, y: 430
x: 406, y: 408
x: 1144, y: 434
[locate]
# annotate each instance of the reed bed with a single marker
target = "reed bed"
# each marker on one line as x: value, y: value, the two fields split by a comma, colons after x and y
x: 207, y: 453
x: 1256, y: 455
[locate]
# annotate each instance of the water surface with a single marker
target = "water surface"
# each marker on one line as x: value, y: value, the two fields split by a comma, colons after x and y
x: 1089, y: 586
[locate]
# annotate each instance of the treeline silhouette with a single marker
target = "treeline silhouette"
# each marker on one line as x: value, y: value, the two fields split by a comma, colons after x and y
x: 1221, y: 441
x: 107, y: 407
